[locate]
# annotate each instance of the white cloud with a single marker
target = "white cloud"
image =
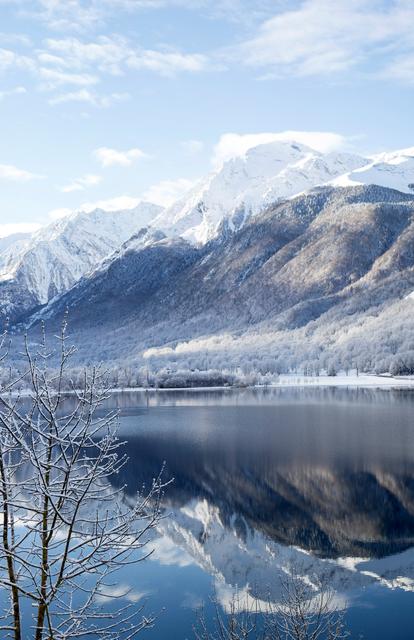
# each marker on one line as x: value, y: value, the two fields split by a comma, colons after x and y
x: 168, y: 63
x: 301, y: 37
x: 402, y: 68
x: 91, y: 98
x: 81, y: 15
x: 44, y: 57
x: 12, y: 92
x: 15, y: 38
x: 53, y: 78
x: 63, y: 15
x: 226, y: 595
x: 12, y: 60
x: 78, y: 64
x: 114, y: 55
x: 80, y: 184
x: 112, y: 204
x: 57, y: 214
x: 72, y: 62
x: 315, y: 38
x: 167, y: 553
x: 118, y: 203
x: 18, y: 227
x: 192, y: 146
x: 167, y: 192
x: 163, y: 193
x: 120, y: 592
x: 83, y: 95
x: 109, y: 157
x: 232, y: 145
x: 106, y: 53
x: 10, y: 172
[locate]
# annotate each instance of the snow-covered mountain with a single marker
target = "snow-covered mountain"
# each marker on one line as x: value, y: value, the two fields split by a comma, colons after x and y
x: 54, y: 258
x: 34, y: 270
x: 287, y: 259
x: 394, y: 170
x: 248, y: 184
x: 255, y: 565
x: 12, y: 240
x: 271, y: 172
x: 330, y: 268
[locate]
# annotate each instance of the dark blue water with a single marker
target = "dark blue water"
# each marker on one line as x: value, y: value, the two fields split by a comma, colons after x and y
x: 267, y: 480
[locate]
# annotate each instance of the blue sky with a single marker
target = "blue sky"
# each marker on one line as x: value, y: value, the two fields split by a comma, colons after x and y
x: 109, y: 101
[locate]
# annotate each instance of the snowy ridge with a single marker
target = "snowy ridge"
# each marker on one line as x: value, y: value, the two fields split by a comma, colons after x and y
x: 10, y: 252
x: 254, y: 563
x: 144, y: 237
x: 394, y: 170
x: 13, y: 240
x: 246, y: 185
x: 58, y: 255
x: 271, y: 172
x: 35, y: 270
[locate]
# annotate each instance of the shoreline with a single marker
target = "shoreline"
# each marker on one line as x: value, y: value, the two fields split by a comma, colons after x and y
x: 289, y: 380
x: 286, y: 381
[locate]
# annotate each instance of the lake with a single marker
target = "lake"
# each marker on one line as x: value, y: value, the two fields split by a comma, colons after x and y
x: 266, y: 480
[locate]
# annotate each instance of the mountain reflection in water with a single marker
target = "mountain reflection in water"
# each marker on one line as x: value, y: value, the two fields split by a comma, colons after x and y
x: 329, y: 471
x: 323, y: 478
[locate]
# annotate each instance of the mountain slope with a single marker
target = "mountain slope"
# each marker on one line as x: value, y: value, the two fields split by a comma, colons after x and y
x: 247, y: 184
x: 13, y: 240
x: 394, y: 170
x: 270, y: 172
x: 58, y: 255
x: 311, y: 264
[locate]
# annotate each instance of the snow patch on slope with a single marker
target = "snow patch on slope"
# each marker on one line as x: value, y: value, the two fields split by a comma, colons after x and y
x: 394, y: 170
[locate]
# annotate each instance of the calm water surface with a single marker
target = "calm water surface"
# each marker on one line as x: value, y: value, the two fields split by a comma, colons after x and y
x: 321, y: 479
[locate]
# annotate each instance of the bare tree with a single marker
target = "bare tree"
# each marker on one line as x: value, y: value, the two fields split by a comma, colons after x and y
x: 65, y: 528
x: 241, y: 621
x: 306, y: 610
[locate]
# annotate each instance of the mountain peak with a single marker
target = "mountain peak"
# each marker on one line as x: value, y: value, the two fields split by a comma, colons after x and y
x: 56, y: 256
x: 249, y: 183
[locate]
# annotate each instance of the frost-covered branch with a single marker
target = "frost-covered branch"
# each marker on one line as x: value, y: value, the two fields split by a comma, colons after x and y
x: 65, y: 529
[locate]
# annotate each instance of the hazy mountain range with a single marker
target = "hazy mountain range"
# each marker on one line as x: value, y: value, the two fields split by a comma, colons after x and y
x: 283, y: 257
